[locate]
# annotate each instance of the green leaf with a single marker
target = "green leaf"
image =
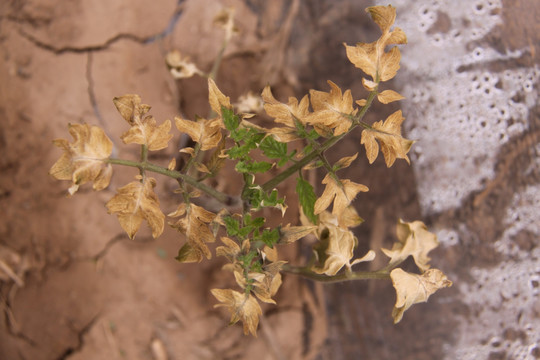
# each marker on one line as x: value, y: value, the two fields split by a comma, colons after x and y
x: 273, y: 149
x: 253, y: 167
x: 270, y: 237
x: 230, y: 120
x: 232, y: 225
x: 307, y: 198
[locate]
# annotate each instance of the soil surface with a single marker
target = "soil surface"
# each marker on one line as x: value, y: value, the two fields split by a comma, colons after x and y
x: 80, y: 289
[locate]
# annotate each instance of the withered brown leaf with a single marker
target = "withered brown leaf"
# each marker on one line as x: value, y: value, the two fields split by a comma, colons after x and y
x: 205, y: 132
x: 241, y: 306
x: 195, y: 226
x: 413, y: 288
x: 393, y: 145
x: 85, y: 159
x: 413, y: 240
x: 136, y: 202
x: 341, y: 192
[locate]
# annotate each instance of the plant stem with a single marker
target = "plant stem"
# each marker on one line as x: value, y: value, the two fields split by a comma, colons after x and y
x: 344, y: 276
x: 272, y: 183
x: 218, y: 195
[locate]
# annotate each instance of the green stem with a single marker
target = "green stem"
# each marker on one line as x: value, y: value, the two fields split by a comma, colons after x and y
x: 218, y: 195
x: 344, y: 276
x: 272, y: 183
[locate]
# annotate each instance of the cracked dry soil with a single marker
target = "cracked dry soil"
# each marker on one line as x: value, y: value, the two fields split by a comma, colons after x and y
x: 81, y: 290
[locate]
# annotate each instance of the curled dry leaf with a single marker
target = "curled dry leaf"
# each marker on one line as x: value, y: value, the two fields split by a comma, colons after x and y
x: 413, y: 240
x: 267, y: 286
x: 331, y: 109
x: 195, y: 226
x: 136, y: 202
x: 341, y: 192
x: 286, y: 113
x: 336, y: 246
x: 205, y: 132
x: 413, y: 288
x: 388, y: 133
x: 144, y: 129
x: 241, y: 306
x: 371, y: 57
x: 85, y: 159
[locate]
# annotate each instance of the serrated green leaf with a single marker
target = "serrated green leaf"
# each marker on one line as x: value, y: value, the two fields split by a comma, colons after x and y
x: 307, y: 198
x: 270, y: 237
x: 273, y: 149
x: 230, y: 120
x: 232, y: 225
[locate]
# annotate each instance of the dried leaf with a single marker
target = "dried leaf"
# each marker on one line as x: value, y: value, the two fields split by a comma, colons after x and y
x: 412, y: 288
x: 345, y: 162
x: 146, y: 132
x: 216, y: 98
x: 249, y: 103
x: 181, y: 67
x: 267, y: 285
x: 290, y: 234
x: 130, y: 107
x: 371, y: 57
x: 388, y: 96
x: 225, y: 20
x: 331, y: 109
x: 194, y: 225
x: 205, y: 132
x: 413, y: 240
x: 336, y: 246
x: 136, y: 202
x: 341, y: 192
x: 85, y: 159
x: 231, y: 249
x: 393, y: 145
x: 241, y: 306
x: 285, y: 113
x: 172, y: 164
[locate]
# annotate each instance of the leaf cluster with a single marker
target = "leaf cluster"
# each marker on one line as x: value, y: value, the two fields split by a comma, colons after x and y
x: 317, y: 121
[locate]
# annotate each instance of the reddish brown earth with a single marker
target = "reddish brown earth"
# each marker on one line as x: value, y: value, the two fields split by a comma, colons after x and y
x: 83, y: 290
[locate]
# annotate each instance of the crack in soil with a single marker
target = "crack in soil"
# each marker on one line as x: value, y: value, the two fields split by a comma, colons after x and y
x: 80, y: 339
x: 122, y: 36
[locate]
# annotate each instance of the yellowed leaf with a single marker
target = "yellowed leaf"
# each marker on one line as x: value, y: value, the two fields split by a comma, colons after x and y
x: 216, y: 98
x: 230, y: 251
x: 146, y: 132
x: 371, y: 57
x: 341, y: 192
x: 345, y: 162
x: 388, y: 96
x: 336, y: 246
x: 267, y: 285
x: 413, y: 288
x: 130, y: 107
x: 413, y: 240
x: 136, y: 202
x: 284, y: 134
x: 205, y: 132
x: 172, y: 164
x: 388, y: 133
x: 369, y: 85
x: 285, y: 113
x: 331, y: 109
x: 241, y: 306
x: 194, y: 225
x: 290, y: 234
x: 85, y: 159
